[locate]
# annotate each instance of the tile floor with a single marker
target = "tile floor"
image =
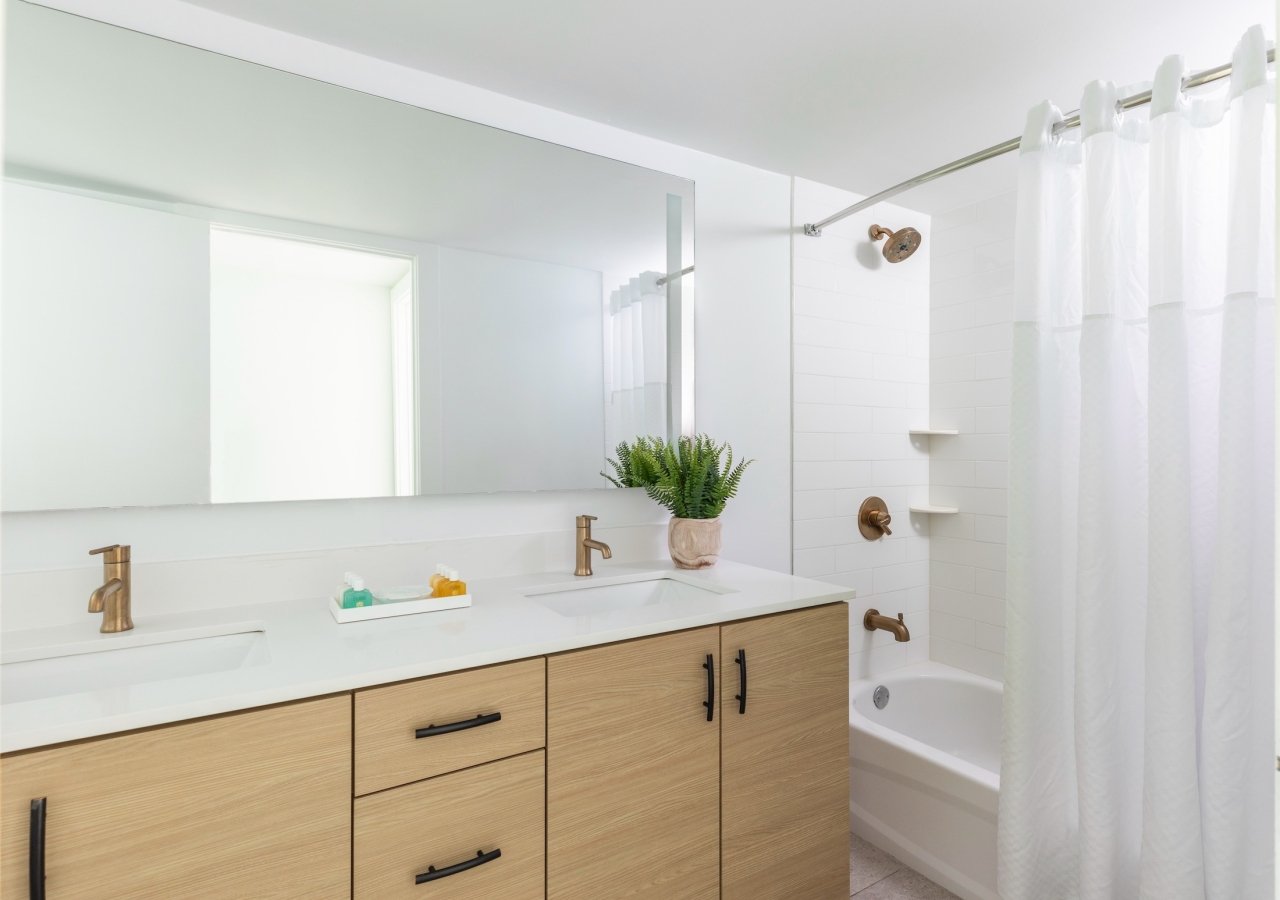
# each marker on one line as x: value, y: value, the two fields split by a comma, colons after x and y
x: 875, y: 875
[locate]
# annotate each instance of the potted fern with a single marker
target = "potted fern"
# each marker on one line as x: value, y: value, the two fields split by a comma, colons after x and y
x: 693, y: 477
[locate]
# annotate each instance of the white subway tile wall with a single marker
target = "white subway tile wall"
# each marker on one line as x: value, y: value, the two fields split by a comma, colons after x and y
x: 970, y: 328
x: 861, y: 380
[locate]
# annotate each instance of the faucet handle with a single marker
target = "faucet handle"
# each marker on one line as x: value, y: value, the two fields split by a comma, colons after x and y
x: 583, y: 520
x: 115, y: 553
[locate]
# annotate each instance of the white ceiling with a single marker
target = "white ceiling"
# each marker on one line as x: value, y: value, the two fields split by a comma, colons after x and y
x: 855, y: 93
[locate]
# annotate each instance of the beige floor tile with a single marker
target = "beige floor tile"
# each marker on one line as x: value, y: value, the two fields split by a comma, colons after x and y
x: 868, y: 864
x: 905, y: 884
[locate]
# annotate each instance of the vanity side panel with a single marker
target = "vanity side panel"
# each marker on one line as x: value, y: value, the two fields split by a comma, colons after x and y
x: 254, y: 804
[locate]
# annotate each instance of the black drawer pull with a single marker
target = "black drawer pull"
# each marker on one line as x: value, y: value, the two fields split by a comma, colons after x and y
x: 35, y: 850
x: 479, y: 859
x: 742, y: 682
x: 710, y: 702
x: 433, y: 730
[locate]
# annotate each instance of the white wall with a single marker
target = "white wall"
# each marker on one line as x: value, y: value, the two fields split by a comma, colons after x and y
x: 121, y: 275
x: 971, y: 318
x: 517, y: 324
x: 861, y: 381
x: 741, y: 346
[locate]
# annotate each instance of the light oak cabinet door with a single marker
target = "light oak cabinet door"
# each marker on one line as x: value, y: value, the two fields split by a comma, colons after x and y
x: 254, y: 804
x: 633, y: 771
x: 785, y: 756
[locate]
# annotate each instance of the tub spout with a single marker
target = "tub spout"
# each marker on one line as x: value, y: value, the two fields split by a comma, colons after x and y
x: 873, y: 621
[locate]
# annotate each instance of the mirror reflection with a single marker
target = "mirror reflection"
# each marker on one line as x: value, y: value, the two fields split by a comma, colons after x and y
x: 225, y: 283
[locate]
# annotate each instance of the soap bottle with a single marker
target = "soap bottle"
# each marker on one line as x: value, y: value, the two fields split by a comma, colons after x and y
x: 453, y: 587
x: 437, y: 580
x: 355, y: 595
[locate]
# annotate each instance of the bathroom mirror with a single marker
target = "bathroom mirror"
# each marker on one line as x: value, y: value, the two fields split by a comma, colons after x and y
x: 228, y: 283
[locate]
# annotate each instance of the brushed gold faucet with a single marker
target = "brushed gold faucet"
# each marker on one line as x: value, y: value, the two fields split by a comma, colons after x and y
x: 113, y: 598
x: 873, y: 621
x: 585, y: 544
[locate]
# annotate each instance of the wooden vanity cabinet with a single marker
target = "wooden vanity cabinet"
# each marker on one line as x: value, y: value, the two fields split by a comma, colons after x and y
x: 633, y: 770
x: 784, y: 756
x: 253, y: 804
x: 658, y: 781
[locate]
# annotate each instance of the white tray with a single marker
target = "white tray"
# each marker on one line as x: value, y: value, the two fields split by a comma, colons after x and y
x: 395, y: 608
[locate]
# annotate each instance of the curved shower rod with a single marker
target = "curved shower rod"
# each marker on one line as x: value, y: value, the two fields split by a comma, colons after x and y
x: 672, y: 276
x: 1071, y: 121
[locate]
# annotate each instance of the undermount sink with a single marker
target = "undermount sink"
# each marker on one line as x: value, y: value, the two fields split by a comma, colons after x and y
x: 133, y: 659
x: 624, y: 594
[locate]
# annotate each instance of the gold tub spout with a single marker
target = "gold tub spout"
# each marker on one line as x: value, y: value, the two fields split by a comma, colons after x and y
x: 873, y: 621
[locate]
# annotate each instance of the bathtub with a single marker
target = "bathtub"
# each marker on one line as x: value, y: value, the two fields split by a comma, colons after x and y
x: 925, y: 773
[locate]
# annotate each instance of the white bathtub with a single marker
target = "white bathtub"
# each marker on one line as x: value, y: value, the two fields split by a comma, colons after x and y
x: 925, y: 773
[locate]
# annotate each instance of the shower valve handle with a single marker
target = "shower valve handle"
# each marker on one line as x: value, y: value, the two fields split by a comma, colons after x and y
x: 874, y: 519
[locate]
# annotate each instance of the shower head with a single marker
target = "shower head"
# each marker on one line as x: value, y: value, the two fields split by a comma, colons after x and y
x: 900, y: 244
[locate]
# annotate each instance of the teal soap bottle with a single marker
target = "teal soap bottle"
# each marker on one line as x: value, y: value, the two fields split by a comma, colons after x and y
x: 355, y: 595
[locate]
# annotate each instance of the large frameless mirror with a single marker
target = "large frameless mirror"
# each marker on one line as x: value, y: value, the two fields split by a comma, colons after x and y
x: 227, y: 283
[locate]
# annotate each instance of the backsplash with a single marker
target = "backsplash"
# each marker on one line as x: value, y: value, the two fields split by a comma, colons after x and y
x: 51, y: 597
x: 861, y: 380
x: 971, y: 311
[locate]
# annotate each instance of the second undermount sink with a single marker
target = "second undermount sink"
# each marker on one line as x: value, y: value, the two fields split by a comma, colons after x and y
x: 625, y: 593
x: 133, y: 659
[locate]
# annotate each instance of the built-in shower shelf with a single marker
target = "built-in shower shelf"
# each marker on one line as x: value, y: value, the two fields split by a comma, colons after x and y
x: 933, y: 431
x: 930, y: 510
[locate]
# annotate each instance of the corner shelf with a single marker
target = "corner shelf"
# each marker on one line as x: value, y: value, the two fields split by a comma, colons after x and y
x: 929, y: 509
x: 934, y: 510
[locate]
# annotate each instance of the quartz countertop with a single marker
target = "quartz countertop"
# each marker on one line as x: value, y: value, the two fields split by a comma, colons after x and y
x: 304, y: 653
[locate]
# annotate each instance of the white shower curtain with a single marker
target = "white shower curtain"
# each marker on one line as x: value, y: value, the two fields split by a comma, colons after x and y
x: 638, y: 395
x: 1139, y: 691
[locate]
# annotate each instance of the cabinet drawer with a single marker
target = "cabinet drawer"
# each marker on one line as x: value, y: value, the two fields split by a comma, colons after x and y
x: 496, y: 810
x: 419, y: 729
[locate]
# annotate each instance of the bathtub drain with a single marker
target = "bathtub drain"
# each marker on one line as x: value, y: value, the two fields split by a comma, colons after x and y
x: 880, y: 697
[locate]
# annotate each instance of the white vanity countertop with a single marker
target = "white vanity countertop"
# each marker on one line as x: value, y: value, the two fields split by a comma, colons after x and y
x: 306, y: 654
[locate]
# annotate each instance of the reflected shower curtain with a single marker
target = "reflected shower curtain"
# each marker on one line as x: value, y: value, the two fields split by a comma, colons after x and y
x: 1139, y: 691
x: 638, y: 360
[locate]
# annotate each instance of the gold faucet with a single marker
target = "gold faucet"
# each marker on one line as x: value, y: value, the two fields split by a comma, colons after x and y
x: 586, y: 544
x: 873, y: 620
x: 115, y: 594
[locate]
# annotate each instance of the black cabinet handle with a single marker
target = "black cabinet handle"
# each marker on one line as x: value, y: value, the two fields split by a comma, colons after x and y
x: 742, y: 682
x: 479, y: 859
x: 710, y: 702
x: 433, y: 730
x: 35, y: 850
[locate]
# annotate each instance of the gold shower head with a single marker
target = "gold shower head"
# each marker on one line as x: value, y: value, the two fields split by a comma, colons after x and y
x: 900, y: 244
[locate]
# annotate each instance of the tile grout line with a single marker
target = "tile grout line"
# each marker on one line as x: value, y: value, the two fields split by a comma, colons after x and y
x: 878, y: 880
